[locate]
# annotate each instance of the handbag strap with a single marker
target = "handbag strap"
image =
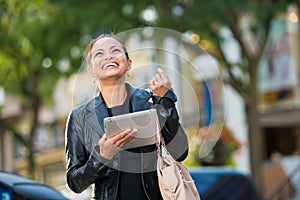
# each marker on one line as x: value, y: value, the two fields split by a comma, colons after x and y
x: 160, y: 142
x: 159, y: 137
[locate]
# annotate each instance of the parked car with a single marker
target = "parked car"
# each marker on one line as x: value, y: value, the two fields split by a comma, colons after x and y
x: 224, y: 184
x: 16, y: 187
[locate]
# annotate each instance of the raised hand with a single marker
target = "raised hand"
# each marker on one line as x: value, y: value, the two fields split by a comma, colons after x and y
x: 160, y: 83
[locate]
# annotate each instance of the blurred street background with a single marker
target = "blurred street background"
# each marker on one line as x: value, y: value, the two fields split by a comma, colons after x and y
x: 234, y: 64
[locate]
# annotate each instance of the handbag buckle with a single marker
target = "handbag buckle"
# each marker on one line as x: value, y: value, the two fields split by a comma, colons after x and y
x: 163, y: 151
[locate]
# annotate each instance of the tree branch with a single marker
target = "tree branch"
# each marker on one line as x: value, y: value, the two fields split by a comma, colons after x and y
x: 35, y: 106
x: 234, y: 82
x: 239, y: 90
x: 264, y: 39
x: 233, y: 25
x: 14, y: 131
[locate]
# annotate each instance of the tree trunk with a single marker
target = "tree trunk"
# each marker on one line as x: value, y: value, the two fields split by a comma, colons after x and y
x: 35, y: 107
x: 30, y: 160
x: 255, y: 136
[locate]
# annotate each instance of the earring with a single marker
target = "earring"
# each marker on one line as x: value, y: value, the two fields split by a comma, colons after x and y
x: 128, y: 74
x: 94, y: 80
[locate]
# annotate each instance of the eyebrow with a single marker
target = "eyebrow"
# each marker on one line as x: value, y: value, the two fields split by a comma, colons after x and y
x: 112, y: 47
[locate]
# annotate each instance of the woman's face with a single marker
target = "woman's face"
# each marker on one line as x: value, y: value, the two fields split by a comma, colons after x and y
x: 108, y: 59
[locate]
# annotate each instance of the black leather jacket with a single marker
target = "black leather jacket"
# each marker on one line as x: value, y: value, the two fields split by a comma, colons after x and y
x: 84, y: 128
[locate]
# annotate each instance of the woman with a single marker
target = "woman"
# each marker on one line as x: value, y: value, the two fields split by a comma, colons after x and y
x: 95, y: 159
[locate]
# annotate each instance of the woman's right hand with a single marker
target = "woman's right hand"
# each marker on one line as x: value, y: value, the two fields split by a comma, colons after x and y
x: 112, y: 145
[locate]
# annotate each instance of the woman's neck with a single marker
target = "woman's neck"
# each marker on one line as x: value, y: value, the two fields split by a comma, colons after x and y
x: 113, y: 95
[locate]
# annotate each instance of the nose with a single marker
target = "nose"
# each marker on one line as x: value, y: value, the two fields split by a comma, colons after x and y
x: 108, y: 56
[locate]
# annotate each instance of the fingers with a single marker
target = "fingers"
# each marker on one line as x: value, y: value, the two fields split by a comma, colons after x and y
x: 123, y: 138
x: 160, y: 83
x: 162, y: 78
x: 110, y: 146
x: 152, y: 83
x: 107, y: 150
x: 159, y: 70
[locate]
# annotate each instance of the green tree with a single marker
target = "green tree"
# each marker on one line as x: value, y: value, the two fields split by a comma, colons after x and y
x: 36, y: 35
x: 207, y: 18
x: 31, y: 63
x: 41, y: 41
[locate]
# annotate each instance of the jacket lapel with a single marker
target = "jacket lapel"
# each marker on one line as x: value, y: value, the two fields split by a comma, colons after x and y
x: 140, y: 99
x: 97, y: 112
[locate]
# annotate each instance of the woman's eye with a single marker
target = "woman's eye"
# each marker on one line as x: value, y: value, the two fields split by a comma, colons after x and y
x: 97, y: 54
x: 116, y: 50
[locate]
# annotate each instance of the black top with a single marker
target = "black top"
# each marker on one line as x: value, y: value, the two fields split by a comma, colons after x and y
x: 130, y: 179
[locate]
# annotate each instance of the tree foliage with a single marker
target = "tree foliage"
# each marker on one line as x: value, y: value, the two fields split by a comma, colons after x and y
x: 249, y: 24
x: 43, y: 40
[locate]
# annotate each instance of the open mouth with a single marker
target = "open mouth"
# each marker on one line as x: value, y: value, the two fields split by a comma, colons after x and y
x: 110, y: 65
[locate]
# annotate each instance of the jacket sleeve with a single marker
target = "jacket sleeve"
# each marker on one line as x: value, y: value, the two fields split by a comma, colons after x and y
x: 83, y: 167
x: 172, y: 131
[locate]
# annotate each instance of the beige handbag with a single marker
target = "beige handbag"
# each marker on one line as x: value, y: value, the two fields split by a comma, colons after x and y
x: 175, y: 182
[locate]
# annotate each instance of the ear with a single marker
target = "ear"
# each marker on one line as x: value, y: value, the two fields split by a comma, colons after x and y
x: 91, y: 71
x: 129, y: 63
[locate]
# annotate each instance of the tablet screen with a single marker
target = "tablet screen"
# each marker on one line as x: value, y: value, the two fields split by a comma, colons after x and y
x: 146, y: 122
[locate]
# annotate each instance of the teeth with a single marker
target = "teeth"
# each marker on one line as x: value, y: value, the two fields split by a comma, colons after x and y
x: 110, y: 64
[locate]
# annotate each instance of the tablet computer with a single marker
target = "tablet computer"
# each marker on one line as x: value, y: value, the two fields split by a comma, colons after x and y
x: 146, y: 122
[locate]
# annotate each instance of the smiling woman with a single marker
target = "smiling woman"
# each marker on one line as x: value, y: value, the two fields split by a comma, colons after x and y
x: 93, y: 158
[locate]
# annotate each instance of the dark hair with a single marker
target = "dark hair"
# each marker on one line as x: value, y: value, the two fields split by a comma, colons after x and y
x: 93, y: 41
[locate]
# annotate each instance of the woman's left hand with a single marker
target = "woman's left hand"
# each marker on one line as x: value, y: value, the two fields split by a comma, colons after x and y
x: 160, y: 83
x: 110, y: 146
